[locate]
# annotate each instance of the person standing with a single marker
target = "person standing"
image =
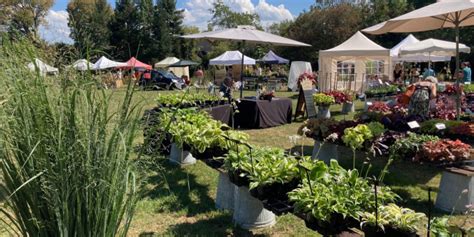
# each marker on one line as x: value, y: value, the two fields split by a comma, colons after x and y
x: 425, y: 90
x: 466, y: 69
x: 398, y: 73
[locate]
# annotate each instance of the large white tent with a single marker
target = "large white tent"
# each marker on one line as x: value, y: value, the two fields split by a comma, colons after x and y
x: 297, y: 68
x: 105, y: 63
x: 231, y: 58
x: 166, y: 62
x: 42, y: 67
x: 82, y: 65
x: 434, y: 47
x: 409, y: 40
x: 358, y: 52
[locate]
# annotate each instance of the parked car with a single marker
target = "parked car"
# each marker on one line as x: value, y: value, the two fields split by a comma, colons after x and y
x: 160, y: 79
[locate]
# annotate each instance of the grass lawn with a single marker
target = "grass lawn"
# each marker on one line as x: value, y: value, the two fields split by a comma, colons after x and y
x: 180, y: 201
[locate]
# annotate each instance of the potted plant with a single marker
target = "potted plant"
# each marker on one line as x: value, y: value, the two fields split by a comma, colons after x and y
x: 391, y: 220
x: 345, y: 98
x: 323, y: 102
x: 355, y: 138
x: 332, y: 198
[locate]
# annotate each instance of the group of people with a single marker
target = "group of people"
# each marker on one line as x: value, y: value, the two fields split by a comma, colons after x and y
x: 413, y: 74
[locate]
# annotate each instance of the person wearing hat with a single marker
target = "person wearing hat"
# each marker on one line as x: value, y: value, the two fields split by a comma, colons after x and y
x: 425, y: 90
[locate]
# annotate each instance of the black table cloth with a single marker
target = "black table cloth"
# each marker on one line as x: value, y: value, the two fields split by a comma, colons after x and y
x: 263, y: 113
x: 221, y: 113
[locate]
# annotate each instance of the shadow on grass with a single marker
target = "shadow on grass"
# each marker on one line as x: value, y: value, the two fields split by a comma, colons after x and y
x: 179, y: 190
x: 220, y: 225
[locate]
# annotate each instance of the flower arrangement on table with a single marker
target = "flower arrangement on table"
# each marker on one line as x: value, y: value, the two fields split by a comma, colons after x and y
x: 308, y: 76
x: 266, y: 95
x: 323, y: 100
x: 341, y: 97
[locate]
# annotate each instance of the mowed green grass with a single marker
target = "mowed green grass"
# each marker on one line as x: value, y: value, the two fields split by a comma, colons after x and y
x: 180, y: 201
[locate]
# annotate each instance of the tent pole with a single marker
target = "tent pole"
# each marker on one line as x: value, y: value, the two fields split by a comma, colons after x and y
x: 242, y: 71
x: 458, y: 93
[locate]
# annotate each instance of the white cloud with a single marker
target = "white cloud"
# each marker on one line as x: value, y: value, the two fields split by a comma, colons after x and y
x: 55, y: 28
x: 196, y: 12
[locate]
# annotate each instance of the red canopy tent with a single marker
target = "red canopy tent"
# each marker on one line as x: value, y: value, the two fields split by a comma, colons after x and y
x: 134, y: 63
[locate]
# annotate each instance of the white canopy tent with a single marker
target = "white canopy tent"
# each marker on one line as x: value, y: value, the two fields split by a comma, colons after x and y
x: 347, y: 65
x: 42, y: 67
x: 231, y: 58
x: 105, y: 63
x: 434, y: 47
x: 82, y: 65
x: 178, y: 71
x: 422, y: 57
x: 297, y: 68
x: 166, y: 62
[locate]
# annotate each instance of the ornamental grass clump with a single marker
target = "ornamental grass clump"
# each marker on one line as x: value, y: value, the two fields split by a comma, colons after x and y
x: 66, y: 160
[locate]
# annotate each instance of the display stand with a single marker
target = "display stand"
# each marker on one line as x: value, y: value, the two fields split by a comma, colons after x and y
x: 305, y: 103
x: 456, y: 189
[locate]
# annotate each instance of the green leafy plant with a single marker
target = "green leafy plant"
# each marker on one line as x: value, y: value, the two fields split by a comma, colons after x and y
x: 355, y: 138
x: 429, y: 127
x: 376, y: 128
x: 407, y: 147
x: 334, y: 190
x: 322, y: 99
x: 399, y: 218
x: 66, y: 160
x: 468, y: 88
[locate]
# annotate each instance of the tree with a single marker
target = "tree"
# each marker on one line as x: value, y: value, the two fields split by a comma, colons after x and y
x: 88, y: 21
x: 125, y: 30
x: 168, y: 24
x: 223, y: 17
x: 24, y: 16
x: 146, y: 15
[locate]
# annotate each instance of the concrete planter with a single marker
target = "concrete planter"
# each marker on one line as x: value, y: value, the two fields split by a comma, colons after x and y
x: 348, y: 108
x: 324, y: 112
x: 249, y: 212
x: 325, y: 152
x: 178, y: 156
x: 451, y: 196
x: 225, y: 192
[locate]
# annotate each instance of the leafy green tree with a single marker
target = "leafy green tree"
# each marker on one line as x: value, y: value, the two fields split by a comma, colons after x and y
x: 146, y: 15
x: 223, y: 17
x: 88, y: 21
x: 168, y: 24
x: 24, y: 16
x: 125, y: 30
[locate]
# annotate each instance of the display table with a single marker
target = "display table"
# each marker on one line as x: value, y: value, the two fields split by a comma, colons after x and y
x: 221, y: 113
x: 263, y: 113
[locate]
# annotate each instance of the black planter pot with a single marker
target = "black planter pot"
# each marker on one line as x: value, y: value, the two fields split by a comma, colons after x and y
x: 235, y: 178
x: 275, y: 191
x: 278, y: 207
x: 372, y: 231
x: 338, y: 224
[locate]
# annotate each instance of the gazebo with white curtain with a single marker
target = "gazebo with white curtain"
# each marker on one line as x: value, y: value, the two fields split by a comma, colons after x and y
x: 348, y: 65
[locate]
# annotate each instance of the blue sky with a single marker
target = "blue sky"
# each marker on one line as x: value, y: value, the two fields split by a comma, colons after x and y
x: 295, y: 6
x: 196, y: 13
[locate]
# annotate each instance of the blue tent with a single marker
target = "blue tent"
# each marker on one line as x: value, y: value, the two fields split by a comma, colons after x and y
x: 272, y: 58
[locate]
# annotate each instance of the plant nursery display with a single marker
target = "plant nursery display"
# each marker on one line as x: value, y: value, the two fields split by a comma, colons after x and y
x: 185, y: 99
x: 341, y: 97
x: 334, y: 197
x: 321, y: 99
x: 391, y: 220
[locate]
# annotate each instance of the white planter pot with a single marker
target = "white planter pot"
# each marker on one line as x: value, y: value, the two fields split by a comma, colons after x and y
x: 324, y: 112
x: 450, y: 195
x: 225, y: 192
x: 326, y: 152
x: 249, y: 212
x: 178, y: 156
x: 348, y: 108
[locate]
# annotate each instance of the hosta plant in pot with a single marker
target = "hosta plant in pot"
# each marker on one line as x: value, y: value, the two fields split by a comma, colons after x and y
x: 409, y: 146
x: 273, y: 175
x: 355, y: 138
x: 331, y: 200
x: 391, y: 220
x: 323, y: 102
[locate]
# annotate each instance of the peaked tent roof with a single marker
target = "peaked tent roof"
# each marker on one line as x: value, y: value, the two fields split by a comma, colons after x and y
x: 231, y: 58
x: 272, y: 58
x: 410, y: 39
x: 135, y: 63
x: 184, y: 63
x: 104, y: 63
x: 357, y: 45
x: 435, y: 47
x: 42, y: 67
x: 82, y: 65
x: 166, y: 62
